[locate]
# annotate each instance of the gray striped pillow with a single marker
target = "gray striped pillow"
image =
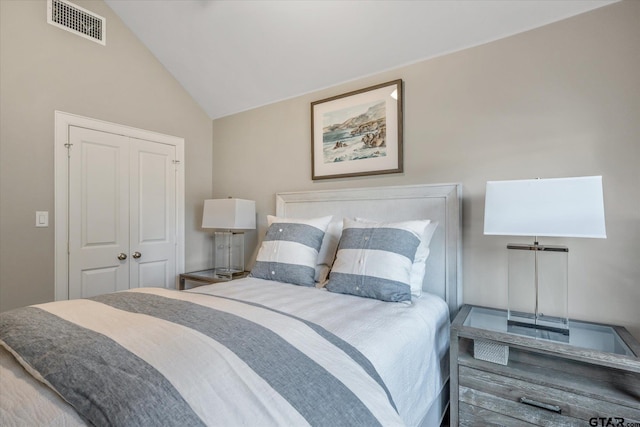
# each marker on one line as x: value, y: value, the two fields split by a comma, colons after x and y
x: 374, y: 260
x: 420, y: 259
x: 289, y: 251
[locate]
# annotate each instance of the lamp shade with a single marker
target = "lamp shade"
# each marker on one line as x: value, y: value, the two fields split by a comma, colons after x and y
x: 558, y: 207
x: 229, y: 214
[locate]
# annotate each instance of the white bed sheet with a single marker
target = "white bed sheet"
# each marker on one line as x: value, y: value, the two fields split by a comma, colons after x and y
x: 409, y: 352
x: 408, y: 344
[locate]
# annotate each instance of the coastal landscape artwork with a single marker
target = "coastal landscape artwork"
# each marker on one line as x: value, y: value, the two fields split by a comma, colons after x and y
x: 355, y: 133
x: 358, y: 133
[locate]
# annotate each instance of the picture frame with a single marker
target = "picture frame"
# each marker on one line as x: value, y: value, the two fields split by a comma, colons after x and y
x: 358, y: 133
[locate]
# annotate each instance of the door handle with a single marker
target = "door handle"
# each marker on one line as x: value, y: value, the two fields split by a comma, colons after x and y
x: 136, y: 255
x: 122, y: 256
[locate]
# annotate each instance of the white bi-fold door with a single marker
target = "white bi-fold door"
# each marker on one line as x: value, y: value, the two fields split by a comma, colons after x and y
x: 122, y: 213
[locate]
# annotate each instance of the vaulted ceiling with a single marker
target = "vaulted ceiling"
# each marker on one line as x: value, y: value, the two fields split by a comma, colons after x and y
x: 233, y: 56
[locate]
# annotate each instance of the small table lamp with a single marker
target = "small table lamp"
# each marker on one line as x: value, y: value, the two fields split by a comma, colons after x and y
x: 233, y: 217
x: 538, y: 278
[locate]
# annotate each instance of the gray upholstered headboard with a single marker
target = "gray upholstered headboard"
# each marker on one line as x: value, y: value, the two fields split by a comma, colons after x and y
x: 437, y: 202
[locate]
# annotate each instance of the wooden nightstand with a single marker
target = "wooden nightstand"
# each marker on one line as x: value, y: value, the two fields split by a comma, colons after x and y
x: 205, y: 277
x: 594, y: 379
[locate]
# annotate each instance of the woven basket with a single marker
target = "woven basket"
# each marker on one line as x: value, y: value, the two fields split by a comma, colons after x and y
x: 491, y: 351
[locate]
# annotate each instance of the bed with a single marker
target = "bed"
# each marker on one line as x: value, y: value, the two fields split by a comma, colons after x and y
x: 262, y: 350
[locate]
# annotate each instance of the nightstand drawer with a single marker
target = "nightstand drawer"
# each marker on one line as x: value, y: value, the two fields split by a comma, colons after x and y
x: 533, y: 403
x: 475, y: 416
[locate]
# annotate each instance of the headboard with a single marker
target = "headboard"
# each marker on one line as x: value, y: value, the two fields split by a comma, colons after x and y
x: 437, y: 202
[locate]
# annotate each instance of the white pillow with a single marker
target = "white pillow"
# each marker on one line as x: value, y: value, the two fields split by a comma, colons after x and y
x: 322, y: 275
x: 329, y: 246
x: 289, y: 251
x: 420, y: 261
x: 327, y: 253
x: 374, y: 260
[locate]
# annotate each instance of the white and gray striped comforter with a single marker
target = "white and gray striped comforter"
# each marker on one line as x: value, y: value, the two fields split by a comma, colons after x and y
x: 250, y: 352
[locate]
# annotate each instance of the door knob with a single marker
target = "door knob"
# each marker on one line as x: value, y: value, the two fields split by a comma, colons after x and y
x: 136, y: 255
x: 122, y: 256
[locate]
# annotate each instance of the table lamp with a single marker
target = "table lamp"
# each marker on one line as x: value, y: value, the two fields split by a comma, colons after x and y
x: 232, y: 217
x: 537, y: 274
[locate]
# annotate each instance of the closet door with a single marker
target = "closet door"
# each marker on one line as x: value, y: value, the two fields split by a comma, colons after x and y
x: 98, y: 212
x: 122, y: 213
x: 153, y: 214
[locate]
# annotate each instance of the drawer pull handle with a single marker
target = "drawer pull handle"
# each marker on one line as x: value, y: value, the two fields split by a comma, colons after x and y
x: 546, y: 406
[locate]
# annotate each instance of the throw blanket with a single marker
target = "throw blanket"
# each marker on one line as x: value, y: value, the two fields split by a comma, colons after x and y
x: 160, y: 357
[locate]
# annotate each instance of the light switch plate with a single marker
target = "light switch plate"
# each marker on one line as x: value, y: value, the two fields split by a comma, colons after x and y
x: 42, y: 218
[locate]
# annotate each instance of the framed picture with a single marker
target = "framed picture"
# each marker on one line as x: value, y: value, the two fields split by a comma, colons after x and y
x: 358, y: 133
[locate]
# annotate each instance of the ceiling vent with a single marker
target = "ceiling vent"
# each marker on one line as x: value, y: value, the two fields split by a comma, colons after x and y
x: 77, y: 20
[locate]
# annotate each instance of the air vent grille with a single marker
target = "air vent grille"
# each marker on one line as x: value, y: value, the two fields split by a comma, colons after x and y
x: 77, y: 20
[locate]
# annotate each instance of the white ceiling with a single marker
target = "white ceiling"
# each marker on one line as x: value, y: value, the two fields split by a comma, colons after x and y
x: 233, y: 56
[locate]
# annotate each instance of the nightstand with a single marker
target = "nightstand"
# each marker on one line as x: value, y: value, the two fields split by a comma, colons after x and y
x: 593, y: 379
x: 205, y: 277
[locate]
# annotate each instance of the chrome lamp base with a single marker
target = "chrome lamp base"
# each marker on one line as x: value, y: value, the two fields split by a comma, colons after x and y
x: 229, y: 273
x: 538, y: 330
x: 538, y: 283
x: 229, y: 254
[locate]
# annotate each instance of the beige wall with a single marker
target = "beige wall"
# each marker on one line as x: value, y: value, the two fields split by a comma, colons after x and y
x: 43, y: 69
x: 561, y: 100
